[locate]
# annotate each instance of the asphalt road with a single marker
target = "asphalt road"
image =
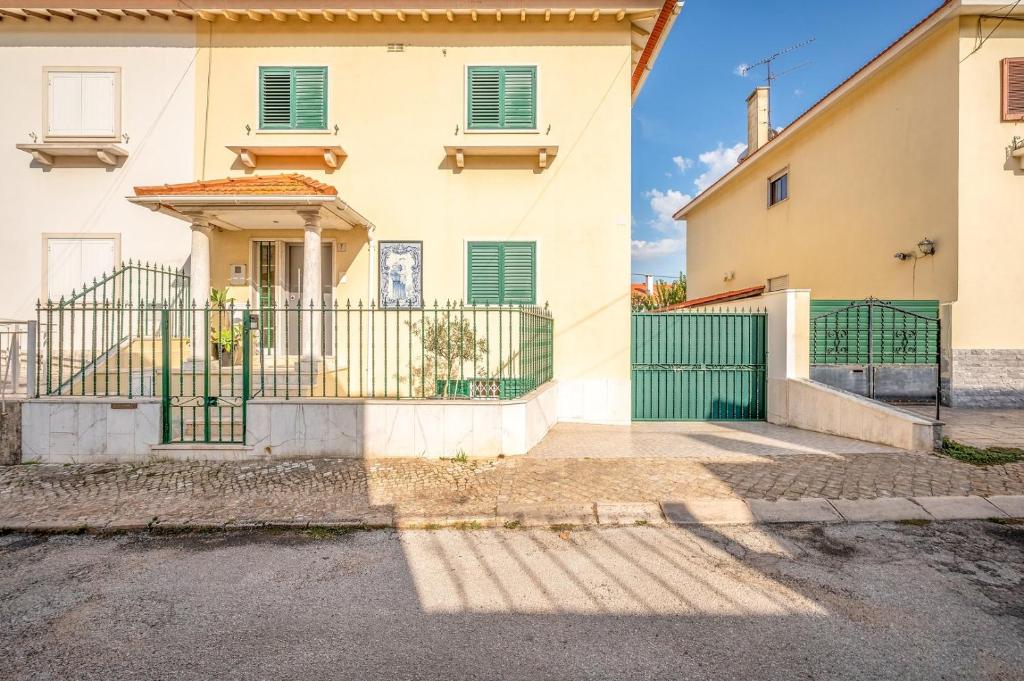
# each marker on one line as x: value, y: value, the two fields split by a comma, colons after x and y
x: 940, y: 601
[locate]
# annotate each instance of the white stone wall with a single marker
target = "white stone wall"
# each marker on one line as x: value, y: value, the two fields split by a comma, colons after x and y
x: 89, y: 430
x: 987, y: 378
x: 382, y: 428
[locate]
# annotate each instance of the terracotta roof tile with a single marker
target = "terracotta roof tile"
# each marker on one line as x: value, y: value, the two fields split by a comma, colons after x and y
x: 291, y: 184
x: 723, y: 297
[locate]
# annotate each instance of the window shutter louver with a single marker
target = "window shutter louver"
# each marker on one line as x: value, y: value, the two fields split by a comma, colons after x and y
x: 484, y: 97
x: 311, y: 98
x: 1013, y: 89
x: 275, y: 98
x: 293, y: 98
x: 519, y: 97
x: 484, y: 272
x: 502, y: 98
x: 520, y: 275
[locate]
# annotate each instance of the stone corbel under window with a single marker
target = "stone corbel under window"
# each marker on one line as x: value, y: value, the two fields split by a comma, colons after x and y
x: 45, y: 153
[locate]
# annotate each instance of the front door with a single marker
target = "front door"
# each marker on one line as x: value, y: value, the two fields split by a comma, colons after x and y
x: 296, y: 297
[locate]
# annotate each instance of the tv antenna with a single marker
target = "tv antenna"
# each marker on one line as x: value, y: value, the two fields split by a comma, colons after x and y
x: 772, y: 75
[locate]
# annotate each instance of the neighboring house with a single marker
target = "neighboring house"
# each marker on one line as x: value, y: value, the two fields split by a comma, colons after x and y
x: 924, y: 142
x: 369, y: 158
x: 95, y: 106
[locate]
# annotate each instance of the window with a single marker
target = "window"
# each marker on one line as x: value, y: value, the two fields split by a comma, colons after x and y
x: 71, y: 261
x: 82, y: 103
x: 778, y: 188
x: 501, y: 98
x: 502, y: 272
x: 1013, y: 89
x: 293, y: 97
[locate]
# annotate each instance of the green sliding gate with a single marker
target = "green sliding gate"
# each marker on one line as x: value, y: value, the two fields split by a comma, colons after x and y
x: 695, y: 366
x: 204, y: 400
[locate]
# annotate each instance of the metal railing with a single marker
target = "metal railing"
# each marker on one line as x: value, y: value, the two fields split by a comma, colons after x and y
x: 103, y: 323
x: 133, y: 284
x: 15, y: 351
x: 451, y: 351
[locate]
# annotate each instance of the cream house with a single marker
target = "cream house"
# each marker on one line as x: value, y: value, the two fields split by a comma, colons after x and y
x: 923, y: 144
x: 369, y: 187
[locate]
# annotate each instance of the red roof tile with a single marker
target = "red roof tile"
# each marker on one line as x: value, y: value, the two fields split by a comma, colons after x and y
x: 291, y: 184
x: 723, y: 297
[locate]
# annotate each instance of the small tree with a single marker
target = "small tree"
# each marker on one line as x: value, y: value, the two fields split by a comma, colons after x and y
x: 448, y: 345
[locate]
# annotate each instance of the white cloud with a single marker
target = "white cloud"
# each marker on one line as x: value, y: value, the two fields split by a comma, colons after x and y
x: 664, y: 204
x: 717, y: 162
x: 683, y: 163
x: 659, y: 248
x: 742, y: 69
x: 798, y: 92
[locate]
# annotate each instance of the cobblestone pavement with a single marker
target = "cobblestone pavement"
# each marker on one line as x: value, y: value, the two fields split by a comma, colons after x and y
x: 982, y: 427
x: 384, y: 491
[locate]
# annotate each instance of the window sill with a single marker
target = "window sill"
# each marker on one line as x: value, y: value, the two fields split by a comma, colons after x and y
x: 107, y: 152
x: 292, y: 131
x: 500, y: 131
x: 544, y: 153
x: 332, y: 155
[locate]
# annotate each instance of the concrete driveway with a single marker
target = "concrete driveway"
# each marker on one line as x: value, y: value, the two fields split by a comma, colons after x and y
x: 982, y: 427
x: 843, y: 602
x: 692, y: 439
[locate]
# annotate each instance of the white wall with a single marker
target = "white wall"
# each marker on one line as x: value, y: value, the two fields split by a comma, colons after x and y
x: 84, y: 196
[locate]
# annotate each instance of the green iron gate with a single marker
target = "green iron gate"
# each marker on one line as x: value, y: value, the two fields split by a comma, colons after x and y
x: 204, y: 400
x: 695, y: 366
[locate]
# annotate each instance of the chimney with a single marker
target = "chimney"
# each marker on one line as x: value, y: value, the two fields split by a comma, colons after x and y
x: 757, y: 119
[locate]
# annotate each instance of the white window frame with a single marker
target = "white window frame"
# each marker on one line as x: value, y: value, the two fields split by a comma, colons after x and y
x: 773, y: 178
x: 115, y: 70
x: 81, y: 236
x: 465, y: 100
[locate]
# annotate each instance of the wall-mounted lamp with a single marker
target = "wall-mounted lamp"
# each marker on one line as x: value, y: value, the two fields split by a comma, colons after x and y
x: 926, y: 246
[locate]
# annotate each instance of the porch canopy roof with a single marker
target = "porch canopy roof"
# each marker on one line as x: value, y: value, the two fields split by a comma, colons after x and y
x: 253, y: 202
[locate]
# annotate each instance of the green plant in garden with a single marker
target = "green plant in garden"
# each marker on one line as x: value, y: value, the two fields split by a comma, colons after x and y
x: 449, y: 346
x: 219, y: 298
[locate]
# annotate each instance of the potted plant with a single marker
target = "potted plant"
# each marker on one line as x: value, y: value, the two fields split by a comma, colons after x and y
x: 225, y: 342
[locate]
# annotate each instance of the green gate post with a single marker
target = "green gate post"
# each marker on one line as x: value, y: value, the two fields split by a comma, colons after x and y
x: 165, y: 377
x: 246, y: 364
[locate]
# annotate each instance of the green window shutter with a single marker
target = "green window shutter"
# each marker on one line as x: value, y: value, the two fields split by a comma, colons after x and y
x: 520, y: 273
x: 293, y: 98
x: 275, y: 98
x: 519, y: 97
x: 502, y: 272
x: 484, y: 272
x: 484, y: 88
x: 310, y: 108
x: 502, y: 97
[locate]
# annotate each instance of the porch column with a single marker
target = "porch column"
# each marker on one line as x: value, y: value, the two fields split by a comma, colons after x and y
x: 312, y: 285
x: 200, y: 283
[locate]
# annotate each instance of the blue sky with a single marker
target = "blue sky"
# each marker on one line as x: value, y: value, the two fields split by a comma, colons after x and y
x: 689, y: 123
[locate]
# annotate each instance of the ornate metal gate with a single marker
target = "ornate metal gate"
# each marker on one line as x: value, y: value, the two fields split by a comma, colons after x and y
x: 204, y: 398
x: 698, y: 366
x: 872, y: 336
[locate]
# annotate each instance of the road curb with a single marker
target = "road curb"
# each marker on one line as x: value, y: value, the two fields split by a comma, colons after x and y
x: 680, y: 512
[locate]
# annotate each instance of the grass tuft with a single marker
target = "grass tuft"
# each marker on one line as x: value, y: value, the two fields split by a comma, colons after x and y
x: 992, y: 456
